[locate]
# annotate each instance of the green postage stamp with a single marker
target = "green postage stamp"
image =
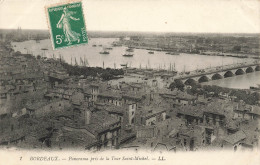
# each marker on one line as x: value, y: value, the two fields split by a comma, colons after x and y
x: 67, y: 25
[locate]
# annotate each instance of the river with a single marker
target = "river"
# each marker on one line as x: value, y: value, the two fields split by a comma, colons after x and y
x: 141, y: 58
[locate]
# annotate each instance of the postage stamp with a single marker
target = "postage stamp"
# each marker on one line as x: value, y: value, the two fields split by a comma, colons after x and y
x: 67, y: 24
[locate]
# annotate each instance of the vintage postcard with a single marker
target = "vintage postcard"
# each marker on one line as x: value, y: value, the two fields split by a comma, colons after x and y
x: 130, y: 82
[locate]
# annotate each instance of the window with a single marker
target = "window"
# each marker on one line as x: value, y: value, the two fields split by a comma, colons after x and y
x: 132, y: 121
x: 184, y: 142
x: 113, y: 142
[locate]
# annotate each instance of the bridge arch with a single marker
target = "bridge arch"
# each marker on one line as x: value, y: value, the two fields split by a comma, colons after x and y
x: 239, y: 72
x: 203, y: 79
x: 249, y: 69
x: 228, y: 74
x: 190, y: 81
x: 257, y: 68
x: 216, y: 76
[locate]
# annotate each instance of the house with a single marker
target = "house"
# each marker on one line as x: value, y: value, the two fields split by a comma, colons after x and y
x: 191, y: 115
x: 68, y: 137
x: 216, y: 113
x: 178, y: 98
x: 129, y: 97
x: 164, y: 146
x: 104, y: 128
x: 234, y: 141
x: 115, y: 111
x: 240, y: 111
x: 168, y: 126
x: 153, y: 116
x: 185, y: 139
x: 110, y: 96
x: 253, y: 113
x: 132, y: 108
x: 41, y: 108
x: 146, y: 131
x: 201, y: 100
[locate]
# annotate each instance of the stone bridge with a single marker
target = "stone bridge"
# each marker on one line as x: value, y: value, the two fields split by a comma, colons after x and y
x: 219, y: 73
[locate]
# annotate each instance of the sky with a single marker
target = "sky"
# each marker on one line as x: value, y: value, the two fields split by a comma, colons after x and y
x: 210, y: 16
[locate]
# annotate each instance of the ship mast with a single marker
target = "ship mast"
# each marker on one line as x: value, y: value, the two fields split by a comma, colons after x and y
x: 76, y: 63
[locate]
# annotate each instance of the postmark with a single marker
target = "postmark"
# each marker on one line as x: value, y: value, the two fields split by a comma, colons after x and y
x: 67, y: 24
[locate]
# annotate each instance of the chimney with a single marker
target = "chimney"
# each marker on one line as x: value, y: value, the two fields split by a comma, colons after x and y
x: 87, y: 117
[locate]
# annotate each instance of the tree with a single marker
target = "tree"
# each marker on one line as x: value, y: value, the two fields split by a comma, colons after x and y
x: 17, y: 53
x: 237, y: 48
x: 106, y: 76
x: 177, y: 84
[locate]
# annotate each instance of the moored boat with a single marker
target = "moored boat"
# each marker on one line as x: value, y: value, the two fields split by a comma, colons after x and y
x: 129, y: 50
x: 174, y: 53
x: 128, y: 55
x: 104, y: 52
x: 123, y: 65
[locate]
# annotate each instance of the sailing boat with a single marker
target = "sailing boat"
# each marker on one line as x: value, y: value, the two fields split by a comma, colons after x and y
x: 60, y: 57
x: 124, y: 65
x: 184, y: 70
x: 94, y: 45
x: 81, y: 62
x: 104, y: 52
x: 76, y: 63
x: 108, y: 48
x: 128, y: 54
x: 85, y: 62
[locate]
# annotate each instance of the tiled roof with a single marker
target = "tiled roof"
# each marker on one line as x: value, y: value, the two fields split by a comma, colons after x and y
x: 154, y: 113
x: 111, y: 94
x: 196, y: 111
x: 78, y: 136
x: 255, y: 110
x: 115, y: 109
x: 236, y: 137
x: 133, y: 95
x: 100, y: 120
x: 37, y: 105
